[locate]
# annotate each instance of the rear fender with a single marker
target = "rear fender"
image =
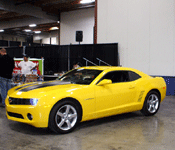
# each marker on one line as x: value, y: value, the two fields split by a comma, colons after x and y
x: 157, y: 84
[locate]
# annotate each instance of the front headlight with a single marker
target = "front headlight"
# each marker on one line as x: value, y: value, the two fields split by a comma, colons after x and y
x: 23, y: 101
x: 33, y: 101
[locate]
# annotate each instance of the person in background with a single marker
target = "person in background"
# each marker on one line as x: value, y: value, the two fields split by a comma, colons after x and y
x: 26, y: 66
x: 7, y: 65
x: 76, y: 65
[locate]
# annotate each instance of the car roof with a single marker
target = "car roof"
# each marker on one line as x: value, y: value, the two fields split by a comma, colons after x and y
x: 97, y: 67
x: 111, y: 68
x: 106, y: 68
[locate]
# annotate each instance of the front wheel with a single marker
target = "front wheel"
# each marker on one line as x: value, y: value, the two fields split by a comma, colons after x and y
x: 64, y: 117
x: 151, y: 104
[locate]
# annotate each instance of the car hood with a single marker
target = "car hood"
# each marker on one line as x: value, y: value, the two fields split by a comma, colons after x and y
x: 37, y: 88
x: 41, y: 85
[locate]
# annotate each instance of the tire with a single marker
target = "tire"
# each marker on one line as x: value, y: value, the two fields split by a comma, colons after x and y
x: 64, y: 117
x: 151, y: 104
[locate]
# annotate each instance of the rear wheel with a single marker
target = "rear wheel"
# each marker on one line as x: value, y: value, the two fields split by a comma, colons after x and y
x: 151, y: 104
x: 64, y: 117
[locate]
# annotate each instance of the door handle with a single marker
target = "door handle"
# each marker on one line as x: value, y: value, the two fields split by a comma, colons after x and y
x: 132, y: 87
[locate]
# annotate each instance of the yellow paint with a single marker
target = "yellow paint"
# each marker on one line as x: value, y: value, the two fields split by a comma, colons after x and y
x: 97, y: 100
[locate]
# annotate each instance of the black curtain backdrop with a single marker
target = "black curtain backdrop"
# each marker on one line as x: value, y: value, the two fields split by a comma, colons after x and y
x: 16, y: 52
x: 105, y: 52
x: 14, y: 43
x: 61, y: 58
x: 3, y: 43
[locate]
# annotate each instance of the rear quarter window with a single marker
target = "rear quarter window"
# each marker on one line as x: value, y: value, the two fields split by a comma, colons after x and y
x: 133, y: 76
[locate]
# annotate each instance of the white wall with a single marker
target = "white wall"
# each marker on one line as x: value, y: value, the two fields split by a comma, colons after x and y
x: 8, y: 37
x: 45, y: 37
x: 144, y: 30
x: 74, y: 21
x: 46, y: 41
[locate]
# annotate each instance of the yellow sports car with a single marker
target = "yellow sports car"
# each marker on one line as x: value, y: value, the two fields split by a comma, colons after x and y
x: 83, y: 94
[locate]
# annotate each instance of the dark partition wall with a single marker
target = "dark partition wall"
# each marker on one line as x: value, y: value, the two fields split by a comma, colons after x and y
x: 3, y: 43
x: 55, y: 57
x: 16, y: 52
x: 61, y: 58
x: 25, y: 44
x: 78, y: 52
x: 105, y: 52
x: 14, y: 43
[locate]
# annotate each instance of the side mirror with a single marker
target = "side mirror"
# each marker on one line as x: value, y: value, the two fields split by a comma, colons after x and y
x: 104, y: 82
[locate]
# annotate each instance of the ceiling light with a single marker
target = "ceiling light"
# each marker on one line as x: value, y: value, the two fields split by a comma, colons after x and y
x: 27, y: 30
x: 32, y: 25
x: 1, y: 30
x: 58, y: 21
x: 54, y: 28
x: 37, y: 32
x: 86, y: 1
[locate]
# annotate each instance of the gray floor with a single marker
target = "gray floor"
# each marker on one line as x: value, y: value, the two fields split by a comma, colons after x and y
x: 131, y: 131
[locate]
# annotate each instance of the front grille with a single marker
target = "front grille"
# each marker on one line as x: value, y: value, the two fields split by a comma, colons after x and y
x: 15, y: 115
x: 19, y: 101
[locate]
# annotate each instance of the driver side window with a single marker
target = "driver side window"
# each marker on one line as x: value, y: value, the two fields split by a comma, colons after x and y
x: 117, y: 76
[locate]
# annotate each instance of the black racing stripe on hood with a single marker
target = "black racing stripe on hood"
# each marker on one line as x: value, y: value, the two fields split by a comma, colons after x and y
x: 25, y: 86
x: 43, y: 85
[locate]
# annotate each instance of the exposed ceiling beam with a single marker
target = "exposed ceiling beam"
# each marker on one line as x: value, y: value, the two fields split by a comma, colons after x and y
x: 16, y: 15
x: 46, y: 2
x: 22, y: 22
x: 26, y: 9
x: 68, y: 6
x: 25, y: 2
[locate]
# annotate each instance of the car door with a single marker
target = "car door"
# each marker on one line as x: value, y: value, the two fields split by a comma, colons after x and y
x: 116, y: 97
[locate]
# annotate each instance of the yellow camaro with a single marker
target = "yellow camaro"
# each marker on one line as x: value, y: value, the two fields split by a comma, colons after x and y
x: 83, y: 94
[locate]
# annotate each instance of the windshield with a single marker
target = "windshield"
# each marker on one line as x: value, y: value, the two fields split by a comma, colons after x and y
x: 80, y: 76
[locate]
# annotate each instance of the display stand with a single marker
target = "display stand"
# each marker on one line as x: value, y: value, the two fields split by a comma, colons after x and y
x: 37, y: 75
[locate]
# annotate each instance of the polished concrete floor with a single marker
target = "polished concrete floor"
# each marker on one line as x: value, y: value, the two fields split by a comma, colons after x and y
x: 131, y: 131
